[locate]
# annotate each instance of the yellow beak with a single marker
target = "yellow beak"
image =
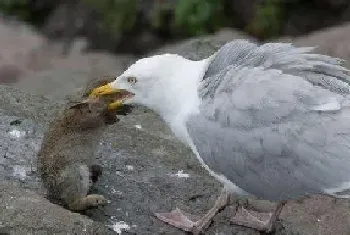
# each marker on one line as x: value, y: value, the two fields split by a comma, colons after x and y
x: 103, y: 90
x: 115, y: 105
x: 117, y: 95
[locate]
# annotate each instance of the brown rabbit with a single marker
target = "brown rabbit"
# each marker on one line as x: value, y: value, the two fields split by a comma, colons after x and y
x: 66, y: 158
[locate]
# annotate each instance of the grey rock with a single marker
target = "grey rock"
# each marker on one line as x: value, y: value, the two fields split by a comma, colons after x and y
x: 316, y: 215
x: 334, y: 41
x: 9, y: 74
x: 65, y: 76
x: 202, y: 47
x: 25, y: 212
x: 14, y: 102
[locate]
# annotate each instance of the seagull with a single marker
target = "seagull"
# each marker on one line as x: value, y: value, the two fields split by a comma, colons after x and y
x: 269, y: 120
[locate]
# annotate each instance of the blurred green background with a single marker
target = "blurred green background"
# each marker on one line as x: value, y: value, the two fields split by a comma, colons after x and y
x: 120, y: 21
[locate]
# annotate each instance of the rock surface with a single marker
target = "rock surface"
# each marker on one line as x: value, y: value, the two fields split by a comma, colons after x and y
x: 317, y: 215
x: 24, y: 212
x: 335, y: 41
x: 198, y: 48
x: 146, y: 169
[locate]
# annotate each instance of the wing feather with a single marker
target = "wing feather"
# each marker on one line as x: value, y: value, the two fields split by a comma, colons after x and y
x: 268, y: 126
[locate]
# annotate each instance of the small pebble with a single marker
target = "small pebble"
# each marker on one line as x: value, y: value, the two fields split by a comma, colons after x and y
x: 119, y: 226
x: 129, y: 167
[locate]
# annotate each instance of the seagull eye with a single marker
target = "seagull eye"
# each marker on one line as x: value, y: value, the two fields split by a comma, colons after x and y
x: 132, y: 80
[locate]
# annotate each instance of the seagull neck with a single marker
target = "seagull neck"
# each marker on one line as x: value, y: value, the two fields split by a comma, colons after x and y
x: 184, y: 100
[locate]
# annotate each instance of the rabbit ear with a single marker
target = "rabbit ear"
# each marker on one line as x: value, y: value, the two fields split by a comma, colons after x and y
x: 80, y: 104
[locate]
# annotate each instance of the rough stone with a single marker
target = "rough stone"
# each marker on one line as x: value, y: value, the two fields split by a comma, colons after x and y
x: 333, y: 41
x: 316, y: 215
x: 25, y: 212
x: 202, y: 47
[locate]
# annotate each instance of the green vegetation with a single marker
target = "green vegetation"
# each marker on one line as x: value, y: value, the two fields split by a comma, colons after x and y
x: 26, y: 10
x: 180, y: 18
x: 159, y: 14
x: 116, y: 15
x: 268, y: 20
x: 19, y: 8
x: 197, y: 17
x: 190, y: 17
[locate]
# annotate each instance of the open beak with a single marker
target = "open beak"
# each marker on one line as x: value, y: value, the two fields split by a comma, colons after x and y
x: 117, y: 102
x: 116, y: 96
x: 103, y: 90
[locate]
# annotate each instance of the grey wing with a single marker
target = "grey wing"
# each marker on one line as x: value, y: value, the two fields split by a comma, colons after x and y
x: 321, y: 70
x: 274, y: 135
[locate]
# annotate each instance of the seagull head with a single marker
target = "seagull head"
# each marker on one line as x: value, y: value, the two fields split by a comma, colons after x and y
x: 161, y: 82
